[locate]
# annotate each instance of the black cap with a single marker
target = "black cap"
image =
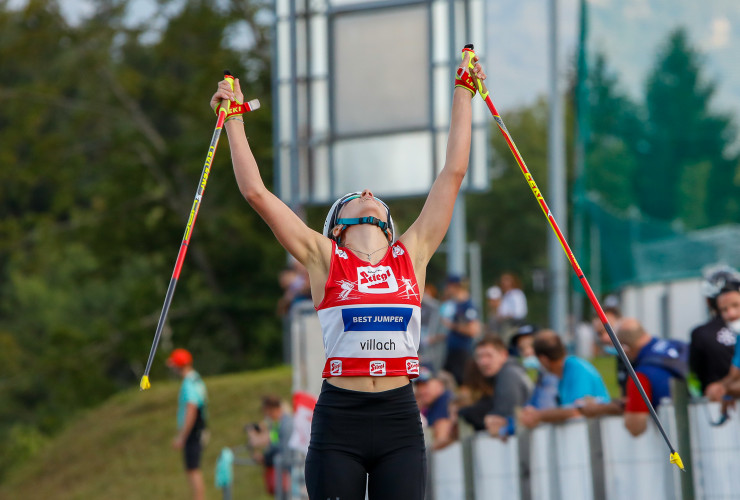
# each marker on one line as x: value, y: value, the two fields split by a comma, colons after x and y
x: 523, y: 330
x: 425, y: 374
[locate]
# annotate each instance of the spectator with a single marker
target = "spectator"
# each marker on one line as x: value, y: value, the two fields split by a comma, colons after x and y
x: 493, y: 299
x: 429, y: 314
x: 270, y: 441
x: 578, y: 380
x: 295, y: 284
x: 712, y: 343
x: 591, y: 408
x: 434, y: 402
x: 191, y: 418
x: 656, y: 362
x: 584, y: 338
x: 614, y: 316
x: 285, y: 279
x: 511, y: 385
x: 513, y: 309
x: 728, y: 305
x: 545, y: 393
x: 463, y: 327
x: 432, y: 334
x: 474, y: 397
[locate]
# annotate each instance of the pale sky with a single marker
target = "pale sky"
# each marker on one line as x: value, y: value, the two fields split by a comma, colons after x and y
x: 518, y: 45
x: 631, y: 31
x: 628, y: 31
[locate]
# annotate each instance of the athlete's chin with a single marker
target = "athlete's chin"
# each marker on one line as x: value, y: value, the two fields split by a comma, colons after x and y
x: 378, y: 214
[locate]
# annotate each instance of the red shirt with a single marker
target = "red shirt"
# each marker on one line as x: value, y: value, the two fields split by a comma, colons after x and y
x: 634, y: 402
x: 371, y: 315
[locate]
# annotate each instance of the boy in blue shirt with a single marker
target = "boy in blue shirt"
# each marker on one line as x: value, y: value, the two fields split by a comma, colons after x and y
x: 578, y: 380
x: 191, y: 418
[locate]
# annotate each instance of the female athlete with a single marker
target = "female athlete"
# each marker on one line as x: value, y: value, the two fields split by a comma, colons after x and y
x: 366, y: 285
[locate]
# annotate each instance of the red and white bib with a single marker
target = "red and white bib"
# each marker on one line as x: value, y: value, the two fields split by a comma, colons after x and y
x: 371, y: 315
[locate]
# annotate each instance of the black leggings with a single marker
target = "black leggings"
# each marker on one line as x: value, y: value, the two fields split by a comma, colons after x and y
x: 355, y: 434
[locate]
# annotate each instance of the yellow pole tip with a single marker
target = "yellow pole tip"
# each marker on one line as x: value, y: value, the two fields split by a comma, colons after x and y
x: 675, y: 459
x: 144, y: 384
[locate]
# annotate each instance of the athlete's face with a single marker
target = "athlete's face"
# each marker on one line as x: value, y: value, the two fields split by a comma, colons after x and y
x: 489, y: 359
x: 729, y: 306
x: 365, y: 205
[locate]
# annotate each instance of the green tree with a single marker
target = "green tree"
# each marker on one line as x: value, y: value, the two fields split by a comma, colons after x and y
x: 616, y: 141
x: 688, y: 143
x: 507, y: 221
x: 105, y: 129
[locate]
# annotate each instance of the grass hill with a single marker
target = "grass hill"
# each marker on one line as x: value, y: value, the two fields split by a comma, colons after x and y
x: 122, y: 449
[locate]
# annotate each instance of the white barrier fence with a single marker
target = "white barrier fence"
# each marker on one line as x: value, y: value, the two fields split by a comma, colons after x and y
x: 580, y: 460
x: 716, y: 450
x: 595, y: 459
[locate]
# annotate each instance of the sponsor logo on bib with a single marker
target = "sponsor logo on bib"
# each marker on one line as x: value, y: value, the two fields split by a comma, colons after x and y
x: 412, y: 366
x: 335, y: 368
x: 377, y: 368
x: 378, y: 279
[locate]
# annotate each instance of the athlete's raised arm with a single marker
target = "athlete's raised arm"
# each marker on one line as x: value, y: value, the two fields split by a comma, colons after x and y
x: 302, y: 242
x: 427, y: 232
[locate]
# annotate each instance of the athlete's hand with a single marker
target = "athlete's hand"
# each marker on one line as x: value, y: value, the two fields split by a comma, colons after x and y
x: 224, y: 92
x: 477, y: 69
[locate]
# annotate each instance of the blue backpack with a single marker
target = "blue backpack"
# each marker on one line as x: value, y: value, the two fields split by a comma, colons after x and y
x: 670, y: 354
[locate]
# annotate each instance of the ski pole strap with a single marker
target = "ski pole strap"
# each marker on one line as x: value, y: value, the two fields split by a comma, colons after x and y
x: 463, y: 79
x: 239, y: 108
x: 462, y: 75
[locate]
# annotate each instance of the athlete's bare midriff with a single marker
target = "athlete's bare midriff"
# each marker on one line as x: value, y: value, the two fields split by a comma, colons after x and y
x: 369, y: 384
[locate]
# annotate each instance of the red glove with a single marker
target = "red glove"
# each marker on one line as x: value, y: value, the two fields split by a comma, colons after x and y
x: 462, y: 75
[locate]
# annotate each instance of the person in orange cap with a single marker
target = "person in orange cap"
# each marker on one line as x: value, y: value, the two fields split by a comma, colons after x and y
x: 191, y: 418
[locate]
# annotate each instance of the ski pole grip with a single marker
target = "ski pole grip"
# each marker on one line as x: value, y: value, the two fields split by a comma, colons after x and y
x: 467, y: 55
x: 470, y: 53
x: 226, y: 103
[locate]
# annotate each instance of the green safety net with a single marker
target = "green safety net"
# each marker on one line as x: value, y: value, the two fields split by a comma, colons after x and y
x: 657, y: 191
